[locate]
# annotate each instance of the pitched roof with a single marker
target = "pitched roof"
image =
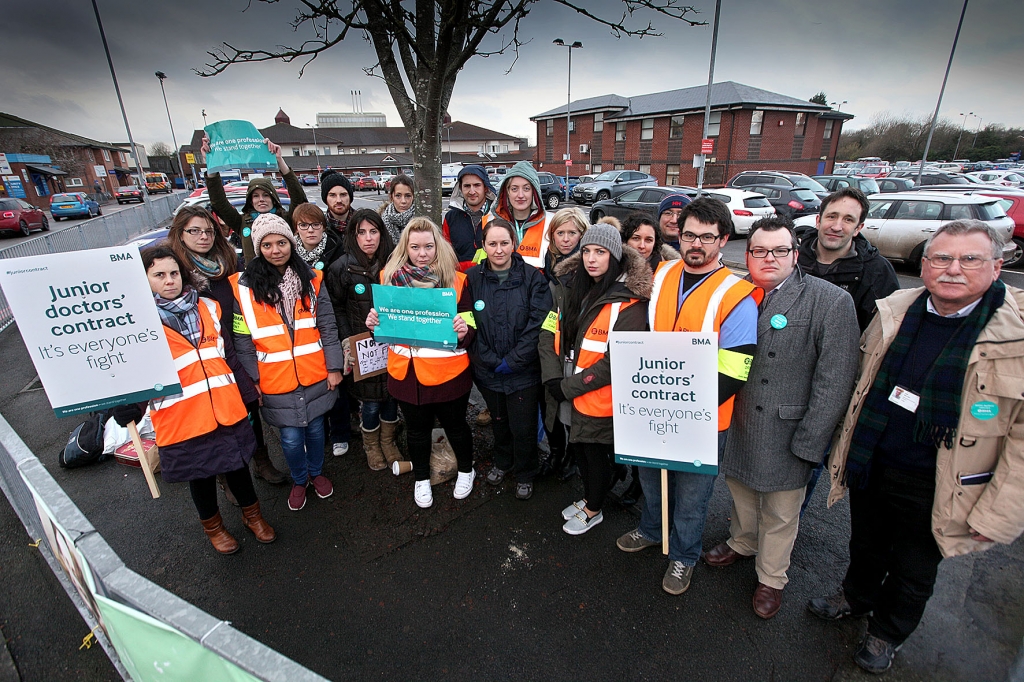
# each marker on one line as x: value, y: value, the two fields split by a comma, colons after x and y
x: 10, y: 123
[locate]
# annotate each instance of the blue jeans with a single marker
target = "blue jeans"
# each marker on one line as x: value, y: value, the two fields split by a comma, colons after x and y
x: 304, y: 450
x: 688, y: 499
x: 373, y: 412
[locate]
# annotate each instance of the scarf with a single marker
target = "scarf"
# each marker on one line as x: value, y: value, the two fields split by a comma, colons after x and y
x: 311, y: 256
x: 205, y: 270
x: 938, y: 413
x: 291, y: 291
x: 411, y: 276
x: 395, y: 221
x: 181, y: 314
x: 335, y: 224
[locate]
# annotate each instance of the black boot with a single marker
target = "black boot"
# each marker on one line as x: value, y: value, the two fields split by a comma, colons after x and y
x: 632, y: 494
x: 568, y: 468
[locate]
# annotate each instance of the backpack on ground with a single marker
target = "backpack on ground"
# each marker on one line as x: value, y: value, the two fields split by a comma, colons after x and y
x: 85, y: 444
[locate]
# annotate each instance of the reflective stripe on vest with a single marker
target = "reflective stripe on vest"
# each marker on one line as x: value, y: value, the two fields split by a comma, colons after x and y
x: 209, y: 397
x: 285, y: 360
x: 433, y: 366
x: 597, y: 403
x: 535, y: 245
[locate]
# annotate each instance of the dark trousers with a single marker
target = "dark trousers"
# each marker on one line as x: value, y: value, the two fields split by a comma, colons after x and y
x: 893, y: 555
x: 514, y: 425
x: 257, y: 423
x: 204, y: 491
x: 419, y: 425
x: 339, y: 418
x: 595, y: 463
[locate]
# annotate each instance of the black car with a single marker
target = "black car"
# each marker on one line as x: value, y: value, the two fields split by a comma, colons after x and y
x: 550, y: 190
x: 836, y: 182
x: 932, y: 177
x: 745, y: 179
x: 794, y: 202
x: 645, y: 199
x: 890, y: 184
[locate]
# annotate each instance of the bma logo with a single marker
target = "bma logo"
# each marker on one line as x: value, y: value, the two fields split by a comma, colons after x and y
x: 447, y: 293
x: 120, y: 256
x: 701, y: 342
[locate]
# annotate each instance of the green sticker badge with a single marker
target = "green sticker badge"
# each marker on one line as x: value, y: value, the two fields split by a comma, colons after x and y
x: 246, y: 232
x: 479, y: 305
x: 360, y: 288
x: 779, y: 321
x: 319, y: 265
x: 984, y: 410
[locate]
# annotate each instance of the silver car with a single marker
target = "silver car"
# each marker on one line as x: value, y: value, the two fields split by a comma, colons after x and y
x: 610, y: 184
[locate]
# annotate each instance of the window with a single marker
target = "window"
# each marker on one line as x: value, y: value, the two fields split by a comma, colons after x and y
x: 598, y: 122
x: 801, y: 124
x: 647, y: 129
x: 619, y: 166
x: 960, y: 212
x: 406, y: 150
x: 714, y: 123
x: 296, y: 151
x: 675, y: 130
x: 394, y: 149
x: 878, y: 209
x: 620, y: 131
x: 631, y: 196
x: 504, y: 149
x: 828, y: 129
x: 363, y: 150
x: 645, y: 168
x: 756, y: 121
x: 596, y: 168
x: 572, y: 125
x: 106, y: 155
x: 327, y: 151
x: 74, y: 182
x: 919, y: 210
x: 551, y: 128
x: 672, y: 174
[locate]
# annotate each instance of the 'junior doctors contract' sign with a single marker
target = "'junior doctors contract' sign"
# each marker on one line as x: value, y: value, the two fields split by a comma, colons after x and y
x: 90, y: 325
x: 665, y: 399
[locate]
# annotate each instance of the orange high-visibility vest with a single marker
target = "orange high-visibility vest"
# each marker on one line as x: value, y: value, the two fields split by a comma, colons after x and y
x: 284, y: 362
x: 597, y: 403
x: 209, y: 396
x: 534, y: 245
x: 704, y: 309
x: 433, y: 366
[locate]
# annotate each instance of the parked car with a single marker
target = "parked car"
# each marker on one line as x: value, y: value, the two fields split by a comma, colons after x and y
x: 1013, y: 203
x: 611, y: 184
x: 550, y: 190
x: 17, y: 215
x: 890, y: 184
x: 875, y: 171
x: 364, y: 183
x: 746, y: 207
x: 999, y: 177
x: 382, y: 179
x: 646, y: 199
x: 932, y: 177
x: 126, y: 195
x: 308, y: 179
x: 898, y: 224
x: 73, y: 205
x: 158, y: 182
x: 744, y: 179
x: 790, y: 201
x: 586, y: 178
x: 837, y: 182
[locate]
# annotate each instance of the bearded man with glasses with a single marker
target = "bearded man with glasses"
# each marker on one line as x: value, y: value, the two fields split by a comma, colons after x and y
x: 932, y: 446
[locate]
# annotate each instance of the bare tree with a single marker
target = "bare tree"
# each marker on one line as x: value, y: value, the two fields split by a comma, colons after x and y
x: 421, y: 45
x: 160, y: 149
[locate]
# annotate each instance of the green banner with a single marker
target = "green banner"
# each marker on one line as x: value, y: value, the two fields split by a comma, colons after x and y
x: 237, y: 144
x: 415, y: 317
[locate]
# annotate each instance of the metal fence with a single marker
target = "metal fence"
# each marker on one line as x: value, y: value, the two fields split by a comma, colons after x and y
x: 109, y: 230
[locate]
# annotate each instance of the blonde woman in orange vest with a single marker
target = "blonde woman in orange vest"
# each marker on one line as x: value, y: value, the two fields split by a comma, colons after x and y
x: 431, y: 383
x: 287, y: 340
x: 519, y: 202
x: 204, y: 431
x: 604, y: 287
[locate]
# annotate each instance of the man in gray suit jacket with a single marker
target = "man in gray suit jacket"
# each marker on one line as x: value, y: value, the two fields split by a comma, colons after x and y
x: 800, y: 382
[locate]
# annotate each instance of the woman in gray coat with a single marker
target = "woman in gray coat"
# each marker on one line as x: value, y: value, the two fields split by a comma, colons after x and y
x: 287, y: 340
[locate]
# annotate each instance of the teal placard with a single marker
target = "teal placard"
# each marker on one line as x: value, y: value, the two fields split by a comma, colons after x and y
x: 237, y: 144
x: 695, y: 468
x: 415, y: 317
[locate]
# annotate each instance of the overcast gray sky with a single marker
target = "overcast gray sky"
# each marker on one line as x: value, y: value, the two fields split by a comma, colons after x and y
x: 879, y: 55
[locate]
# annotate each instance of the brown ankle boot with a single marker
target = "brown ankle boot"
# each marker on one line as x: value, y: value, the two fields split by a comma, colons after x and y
x: 219, y: 537
x: 223, y: 483
x: 263, y: 468
x: 371, y: 446
x: 254, y: 521
x: 387, y: 441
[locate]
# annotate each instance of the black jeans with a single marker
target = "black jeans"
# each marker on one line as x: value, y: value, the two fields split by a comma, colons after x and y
x: 204, y: 491
x: 595, y: 463
x: 893, y: 555
x: 514, y: 424
x: 419, y: 424
x: 257, y: 423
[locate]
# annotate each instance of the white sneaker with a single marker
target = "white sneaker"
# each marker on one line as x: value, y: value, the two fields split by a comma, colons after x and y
x: 580, y: 523
x: 464, y: 484
x: 571, y: 510
x: 340, y: 449
x: 423, y: 494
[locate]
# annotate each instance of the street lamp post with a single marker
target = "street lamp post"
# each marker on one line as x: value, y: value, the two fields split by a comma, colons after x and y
x: 960, y: 136
x: 316, y: 150
x: 976, y: 131
x: 160, y: 76
x: 840, y: 107
x: 568, y: 107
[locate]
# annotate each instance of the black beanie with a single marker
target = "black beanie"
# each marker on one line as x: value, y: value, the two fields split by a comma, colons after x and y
x: 331, y: 179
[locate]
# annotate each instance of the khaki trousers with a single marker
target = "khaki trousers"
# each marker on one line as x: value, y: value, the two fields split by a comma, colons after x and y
x: 765, y: 525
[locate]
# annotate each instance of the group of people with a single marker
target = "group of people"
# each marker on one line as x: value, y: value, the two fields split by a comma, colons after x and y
x: 911, y: 398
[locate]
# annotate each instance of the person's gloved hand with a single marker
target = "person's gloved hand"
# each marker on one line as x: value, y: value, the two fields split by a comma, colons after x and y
x: 554, y: 387
x: 127, y: 414
x: 503, y: 368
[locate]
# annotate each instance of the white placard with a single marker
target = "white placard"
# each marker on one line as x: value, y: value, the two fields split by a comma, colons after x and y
x: 101, y: 171
x: 92, y: 329
x: 665, y: 399
x: 371, y: 357
x: 5, y: 167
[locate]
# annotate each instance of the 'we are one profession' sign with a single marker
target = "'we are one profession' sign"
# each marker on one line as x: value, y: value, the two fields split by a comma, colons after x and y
x: 665, y: 399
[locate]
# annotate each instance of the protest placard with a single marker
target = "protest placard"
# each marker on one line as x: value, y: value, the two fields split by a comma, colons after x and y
x: 665, y: 399
x: 371, y: 357
x: 91, y: 327
x: 415, y: 317
x: 237, y: 144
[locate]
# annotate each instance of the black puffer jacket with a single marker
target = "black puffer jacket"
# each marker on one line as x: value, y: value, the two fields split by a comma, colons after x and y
x: 350, y: 287
x: 864, y: 274
x: 508, y: 319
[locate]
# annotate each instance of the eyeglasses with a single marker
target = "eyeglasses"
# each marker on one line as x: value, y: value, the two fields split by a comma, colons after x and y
x: 704, y: 238
x: 673, y: 214
x: 196, y: 232
x: 308, y: 227
x: 778, y: 252
x: 968, y: 262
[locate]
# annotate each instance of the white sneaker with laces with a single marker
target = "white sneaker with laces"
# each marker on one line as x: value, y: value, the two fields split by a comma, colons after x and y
x: 423, y: 494
x: 464, y: 484
x: 340, y: 449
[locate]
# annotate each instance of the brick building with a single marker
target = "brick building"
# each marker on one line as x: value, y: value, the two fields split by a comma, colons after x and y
x: 659, y: 133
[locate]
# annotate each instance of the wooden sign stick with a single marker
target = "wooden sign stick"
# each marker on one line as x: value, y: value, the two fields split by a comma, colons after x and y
x: 664, y: 512
x: 147, y: 466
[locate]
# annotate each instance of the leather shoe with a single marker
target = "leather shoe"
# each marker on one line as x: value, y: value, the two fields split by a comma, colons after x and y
x: 767, y: 601
x: 723, y: 555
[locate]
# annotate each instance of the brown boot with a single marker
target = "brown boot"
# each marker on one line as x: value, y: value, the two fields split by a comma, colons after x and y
x: 371, y: 445
x: 387, y: 441
x: 263, y: 468
x: 223, y: 483
x: 254, y: 521
x: 219, y: 537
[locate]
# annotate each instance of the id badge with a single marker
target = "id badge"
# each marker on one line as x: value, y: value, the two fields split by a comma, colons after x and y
x: 905, y: 398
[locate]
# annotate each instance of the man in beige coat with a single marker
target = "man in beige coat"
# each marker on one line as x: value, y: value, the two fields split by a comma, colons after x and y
x: 932, y: 446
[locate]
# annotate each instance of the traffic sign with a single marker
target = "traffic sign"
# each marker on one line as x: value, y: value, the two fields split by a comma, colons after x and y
x: 190, y: 158
x: 707, y: 146
x: 568, y: 162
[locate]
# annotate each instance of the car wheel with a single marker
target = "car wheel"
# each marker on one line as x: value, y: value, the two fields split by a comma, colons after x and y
x: 601, y: 196
x: 553, y: 201
x: 99, y: 211
x: 596, y: 215
x: 46, y: 224
x: 915, y: 256
x: 1016, y: 259
x: 25, y: 231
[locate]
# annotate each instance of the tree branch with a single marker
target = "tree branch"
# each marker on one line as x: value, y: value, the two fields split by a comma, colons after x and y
x: 669, y: 8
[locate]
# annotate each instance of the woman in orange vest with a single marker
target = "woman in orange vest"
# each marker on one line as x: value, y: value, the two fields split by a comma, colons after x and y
x: 203, y: 431
x: 431, y: 383
x: 519, y: 202
x: 606, y: 286
x: 286, y: 338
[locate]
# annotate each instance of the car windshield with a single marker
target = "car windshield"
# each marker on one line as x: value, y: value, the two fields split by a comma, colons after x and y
x: 808, y: 183
x: 873, y: 169
x: 65, y: 197
x: 756, y: 202
x: 607, y: 176
x: 991, y: 211
x: 8, y: 204
x: 804, y: 194
x: 868, y: 186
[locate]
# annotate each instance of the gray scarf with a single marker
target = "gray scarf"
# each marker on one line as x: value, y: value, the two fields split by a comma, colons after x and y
x: 395, y: 221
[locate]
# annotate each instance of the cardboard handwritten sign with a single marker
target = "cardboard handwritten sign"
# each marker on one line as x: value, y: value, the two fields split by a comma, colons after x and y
x: 371, y: 357
x: 237, y: 144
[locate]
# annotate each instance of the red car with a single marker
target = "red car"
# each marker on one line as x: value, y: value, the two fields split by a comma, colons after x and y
x: 17, y: 215
x: 1013, y: 203
x: 365, y: 182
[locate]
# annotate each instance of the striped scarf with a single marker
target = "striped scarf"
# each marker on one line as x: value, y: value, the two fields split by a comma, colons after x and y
x: 181, y: 314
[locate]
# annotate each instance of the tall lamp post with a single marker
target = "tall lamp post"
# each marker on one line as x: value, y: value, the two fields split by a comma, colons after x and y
x: 316, y: 150
x: 960, y: 136
x: 160, y: 76
x: 568, y: 106
x: 976, y: 131
x: 840, y: 107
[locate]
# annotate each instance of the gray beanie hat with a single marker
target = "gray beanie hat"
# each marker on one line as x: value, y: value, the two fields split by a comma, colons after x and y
x: 605, y: 236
